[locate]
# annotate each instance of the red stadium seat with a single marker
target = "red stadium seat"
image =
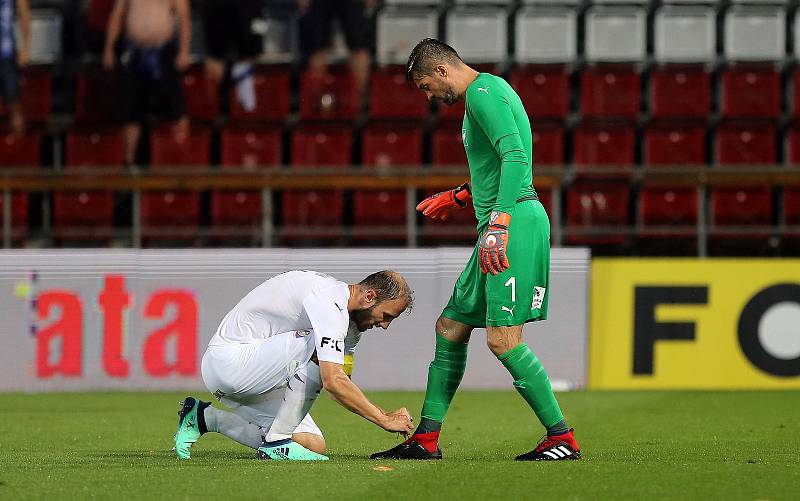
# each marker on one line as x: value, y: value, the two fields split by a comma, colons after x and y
x: 668, y: 217
x: 322, y: 144
x: 792, y: 143
x: 20, y: 151
x: 740, y: 216
x: 19, y: 214
x: 251, y: 147
x: 314, y: 215
x: 791, y: 206
x: 745, y: 143
x: 272, y: 96
x: 680, y: 92
x: 544, y: 90
x: 239, y: 213
x: 751, y: 92
x: 675, y: 144
x: 384, y: 145
x: 594, y: 205
x: 332, y: 97
x: 548, y: 144
x: 668, y: 206
x: 88, y: 215
x: 168, y: 216
x: 794, y: 93
x: 448, y: 145
x: 201, y: 95
x: 36, y: 87
x: 391, y: 144
x: 604, y: 144
x: 391, y: 97
x: 610, y: 92
x: 95, y: 147
x: 98, y: 97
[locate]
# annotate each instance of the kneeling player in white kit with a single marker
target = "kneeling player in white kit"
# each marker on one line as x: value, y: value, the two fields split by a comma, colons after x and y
x: 277, y: 348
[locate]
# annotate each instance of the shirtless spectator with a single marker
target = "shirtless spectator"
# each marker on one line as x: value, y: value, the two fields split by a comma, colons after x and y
x: 13, y: 57
x: 152, y: 56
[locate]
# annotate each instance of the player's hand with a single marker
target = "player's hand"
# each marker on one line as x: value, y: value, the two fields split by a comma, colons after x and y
x: 397, y: 422
x: 438, y: 206
x: 493, y: 243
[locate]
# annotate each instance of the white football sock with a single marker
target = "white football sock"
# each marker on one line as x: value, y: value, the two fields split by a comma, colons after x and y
x: 242, y: 74
x: 232, y: 426
x: 303, y: 390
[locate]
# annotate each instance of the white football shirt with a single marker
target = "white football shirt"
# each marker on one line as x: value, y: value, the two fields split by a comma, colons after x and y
x: 293, y: 301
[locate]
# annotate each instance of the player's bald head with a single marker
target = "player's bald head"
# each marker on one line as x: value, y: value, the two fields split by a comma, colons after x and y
x: 428, y: 54
x: 388, y: 285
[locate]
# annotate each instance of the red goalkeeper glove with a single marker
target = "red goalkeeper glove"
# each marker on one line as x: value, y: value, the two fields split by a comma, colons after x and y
x: 438, y: 206
x: 493, y: 243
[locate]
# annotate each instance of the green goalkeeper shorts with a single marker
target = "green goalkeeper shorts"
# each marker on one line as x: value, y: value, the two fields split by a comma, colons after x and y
x: 520, y: 293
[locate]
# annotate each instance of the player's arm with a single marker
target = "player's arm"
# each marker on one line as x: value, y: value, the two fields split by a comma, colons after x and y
x: 113, y: 30
x: 330, y: 325
x: 350, y: 396
x: 24, y: 17
x: 493, y: 114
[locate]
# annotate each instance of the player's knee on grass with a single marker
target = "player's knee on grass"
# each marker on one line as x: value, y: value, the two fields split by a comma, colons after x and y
x: 310, y: 441
x: 453, y: 330
x: 500, y: 339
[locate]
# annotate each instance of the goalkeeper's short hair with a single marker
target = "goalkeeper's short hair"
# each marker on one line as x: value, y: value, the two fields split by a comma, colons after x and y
x: 389, y: 285
x: 426, y: 55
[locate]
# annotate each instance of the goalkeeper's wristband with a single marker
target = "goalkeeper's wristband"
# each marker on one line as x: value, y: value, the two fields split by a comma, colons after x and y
x: 462, y: 194
x: 500, y: 219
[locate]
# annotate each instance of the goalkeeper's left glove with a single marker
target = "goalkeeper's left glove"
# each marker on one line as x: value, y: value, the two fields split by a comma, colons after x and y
x: 440, y: 204
x: 493, y: 244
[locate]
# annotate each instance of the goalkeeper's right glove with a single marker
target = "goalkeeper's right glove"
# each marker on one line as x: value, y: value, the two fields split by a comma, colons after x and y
x: 438, y: 206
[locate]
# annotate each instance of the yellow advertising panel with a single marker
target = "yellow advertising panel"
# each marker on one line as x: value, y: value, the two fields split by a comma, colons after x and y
x: 695, y: 323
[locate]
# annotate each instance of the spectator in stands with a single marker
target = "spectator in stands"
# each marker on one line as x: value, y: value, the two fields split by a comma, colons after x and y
x: 230, y: 39
x: 13, y: 57
x: 352, y: 16
x: 152, y: 56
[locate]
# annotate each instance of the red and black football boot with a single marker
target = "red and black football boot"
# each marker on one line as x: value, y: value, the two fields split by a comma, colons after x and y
x: 419, y: 446
x: 554, y: 448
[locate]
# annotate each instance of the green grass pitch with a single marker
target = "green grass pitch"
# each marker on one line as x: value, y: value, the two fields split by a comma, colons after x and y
x: 637, y: 445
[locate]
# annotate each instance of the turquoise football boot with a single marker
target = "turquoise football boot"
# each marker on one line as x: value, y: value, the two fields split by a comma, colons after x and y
x: 188, y: 432
x: 288, y: 450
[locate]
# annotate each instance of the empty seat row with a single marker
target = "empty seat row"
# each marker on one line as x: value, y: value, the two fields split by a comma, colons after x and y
x: 548, y: 33
x: 591, y: 207
x: 386, y: 143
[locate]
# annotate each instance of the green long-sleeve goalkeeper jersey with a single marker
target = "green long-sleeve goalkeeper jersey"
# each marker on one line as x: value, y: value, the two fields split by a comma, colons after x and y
x: 497, y: 138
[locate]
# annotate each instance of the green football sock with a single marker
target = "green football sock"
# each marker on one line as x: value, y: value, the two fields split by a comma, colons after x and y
x: 531, y: 381
x: 444, y: 376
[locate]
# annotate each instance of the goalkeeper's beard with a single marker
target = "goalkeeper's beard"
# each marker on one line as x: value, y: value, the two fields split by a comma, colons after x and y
x: 450, y: 97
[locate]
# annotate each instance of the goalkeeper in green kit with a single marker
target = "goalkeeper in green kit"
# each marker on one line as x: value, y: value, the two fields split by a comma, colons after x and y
x: 505, y: 283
